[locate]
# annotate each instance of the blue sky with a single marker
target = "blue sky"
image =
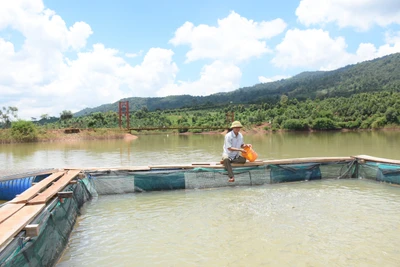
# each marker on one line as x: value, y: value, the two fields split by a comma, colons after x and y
x: 68, y: 55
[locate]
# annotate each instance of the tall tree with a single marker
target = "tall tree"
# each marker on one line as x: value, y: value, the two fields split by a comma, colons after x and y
x: 44, y: 116
x: 7, y: 115
x: 66, y: 115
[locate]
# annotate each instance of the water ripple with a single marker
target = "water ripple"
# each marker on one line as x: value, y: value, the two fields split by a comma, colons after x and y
x: 319, y: 223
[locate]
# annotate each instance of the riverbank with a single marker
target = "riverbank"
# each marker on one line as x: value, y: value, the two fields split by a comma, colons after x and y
x: 69, y: 135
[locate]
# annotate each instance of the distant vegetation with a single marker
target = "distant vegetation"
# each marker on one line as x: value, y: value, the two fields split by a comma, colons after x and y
x: 382, y: 74
x: 24, y: 131
x: 361, y: 96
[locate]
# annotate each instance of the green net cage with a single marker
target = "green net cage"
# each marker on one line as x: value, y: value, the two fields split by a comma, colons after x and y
x: 56, y: 223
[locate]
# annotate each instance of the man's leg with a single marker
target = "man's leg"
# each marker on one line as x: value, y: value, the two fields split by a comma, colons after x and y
x: 239, y: 159
x: 228, y: 168
x: 227, y: 163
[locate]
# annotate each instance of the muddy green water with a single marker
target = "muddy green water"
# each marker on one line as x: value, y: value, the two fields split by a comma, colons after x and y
x: 182, y: 149
x: 322, y: 223
x: 318, y: 223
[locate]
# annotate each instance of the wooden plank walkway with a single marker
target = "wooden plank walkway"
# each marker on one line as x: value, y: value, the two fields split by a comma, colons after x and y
x: 265, y: 162
x: 218, y: 165
x: 37, y: 188
x: 14, y: 224
x: 375, y: 159
x: 309, y: 160
x: 55, y: 188
x: 19, y: 212
x: 9, y: 209
x: 131, y: 169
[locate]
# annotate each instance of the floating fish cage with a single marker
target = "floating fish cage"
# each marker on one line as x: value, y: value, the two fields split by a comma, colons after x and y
x: 37, y: 220
x: 199, y: 176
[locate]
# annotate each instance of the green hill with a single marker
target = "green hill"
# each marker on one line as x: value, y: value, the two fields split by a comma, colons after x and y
x: 381, y: 74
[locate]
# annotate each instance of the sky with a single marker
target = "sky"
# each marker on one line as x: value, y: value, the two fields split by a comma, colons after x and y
x: 58, y: 55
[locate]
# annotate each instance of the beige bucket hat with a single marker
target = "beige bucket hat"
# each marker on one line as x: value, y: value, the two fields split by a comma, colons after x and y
x: 236, y: 124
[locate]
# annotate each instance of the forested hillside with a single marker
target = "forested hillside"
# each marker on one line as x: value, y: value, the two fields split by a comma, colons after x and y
x: 382, y: 74
x: 361, y: 96
x: 359, y: 111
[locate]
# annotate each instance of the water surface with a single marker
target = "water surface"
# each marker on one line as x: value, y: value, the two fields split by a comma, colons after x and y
x: 318, y: 223
x: 186, y: 149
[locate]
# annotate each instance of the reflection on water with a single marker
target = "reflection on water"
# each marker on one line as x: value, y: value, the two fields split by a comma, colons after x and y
x: 319, y: 223
x: 185, y: 149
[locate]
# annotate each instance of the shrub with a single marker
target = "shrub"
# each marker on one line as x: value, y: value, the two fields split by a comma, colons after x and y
x: 379, y: 123
x: 391, y: 115
x: 349, y: 124
x: 279, y: 119
x: 184, y: 129
x: 294, y: 124
x: 275, y: 126
x: 323, y: 124
x: 367, y: 123
x: 354, y: 124
x: 23, y: 130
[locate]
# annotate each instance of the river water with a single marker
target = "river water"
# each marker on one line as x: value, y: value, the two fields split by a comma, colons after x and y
x: 186, y: 149
x: 323, y: 223
x: 316, y: 223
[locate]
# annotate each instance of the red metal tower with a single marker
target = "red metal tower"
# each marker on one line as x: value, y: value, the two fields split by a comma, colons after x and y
x: 123, y: 109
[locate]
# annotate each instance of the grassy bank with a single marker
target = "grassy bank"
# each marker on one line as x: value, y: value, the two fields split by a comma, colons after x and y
x: 43, y: 135
x: 60, y: 135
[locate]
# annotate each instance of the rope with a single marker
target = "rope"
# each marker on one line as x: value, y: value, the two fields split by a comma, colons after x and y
x: 348, y: 169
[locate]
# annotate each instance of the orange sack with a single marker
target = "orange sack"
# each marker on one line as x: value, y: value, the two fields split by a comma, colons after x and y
x: 250, y: 154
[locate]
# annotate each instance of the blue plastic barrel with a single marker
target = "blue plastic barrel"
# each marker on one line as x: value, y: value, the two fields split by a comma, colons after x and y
x: 9, y: 189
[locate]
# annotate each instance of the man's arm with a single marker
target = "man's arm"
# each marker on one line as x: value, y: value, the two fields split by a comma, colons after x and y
x: 237, y: 149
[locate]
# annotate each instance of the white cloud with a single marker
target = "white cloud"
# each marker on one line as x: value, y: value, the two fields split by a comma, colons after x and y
x: 263, y: 79
x: 133, y: 55
x: 235, y: 38
x: 392, y: 37
x: 156, y: 71
x: 39, y: 78
x: 214, y: 78
x: 316, y: 49
x: 15, y: 12
x: 42, y: 27
x: 40, y: 58
x: 53, y: 69
x: 100, y: 76
x: 78, y: 35
x: 360, y: 14
x: 310, y: 48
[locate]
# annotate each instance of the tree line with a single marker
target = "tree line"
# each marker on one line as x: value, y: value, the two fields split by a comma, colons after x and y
x: 359, y: 111
x: 381, y: 74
